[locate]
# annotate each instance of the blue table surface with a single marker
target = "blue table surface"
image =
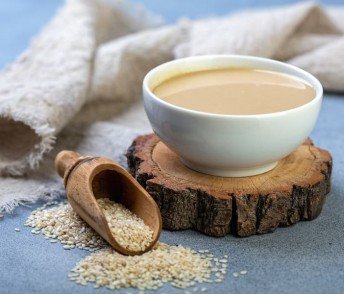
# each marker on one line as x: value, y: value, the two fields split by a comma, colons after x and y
x: 305, y: 258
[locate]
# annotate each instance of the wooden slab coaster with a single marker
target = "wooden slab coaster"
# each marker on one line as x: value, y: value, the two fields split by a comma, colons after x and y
x: 295, y: 190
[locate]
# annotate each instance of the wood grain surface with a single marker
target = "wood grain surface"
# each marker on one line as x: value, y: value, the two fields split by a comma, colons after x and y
x: 295, y: 190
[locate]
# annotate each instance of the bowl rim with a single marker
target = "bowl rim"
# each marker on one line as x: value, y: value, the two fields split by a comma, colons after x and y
x: 309, y: 78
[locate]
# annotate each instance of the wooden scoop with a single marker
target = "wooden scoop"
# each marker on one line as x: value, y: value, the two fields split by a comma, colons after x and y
x: 89, y: 178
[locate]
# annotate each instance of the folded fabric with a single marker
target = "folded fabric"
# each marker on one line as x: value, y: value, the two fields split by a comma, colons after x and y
x: 48, y: 84
x: 96, y: 53
x: 304, y: 35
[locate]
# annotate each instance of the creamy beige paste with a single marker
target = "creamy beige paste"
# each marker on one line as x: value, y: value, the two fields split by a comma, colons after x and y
x: 236, y: 91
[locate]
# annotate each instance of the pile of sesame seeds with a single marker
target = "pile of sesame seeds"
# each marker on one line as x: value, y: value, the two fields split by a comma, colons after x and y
x: 128, y: 229
x: 178, y: 265
x: 61, y: 223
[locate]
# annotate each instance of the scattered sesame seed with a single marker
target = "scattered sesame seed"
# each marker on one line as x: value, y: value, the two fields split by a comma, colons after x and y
x: 235, y: 275
x: 17, y: 229
x: 180, y: 266
x: 62, y: 224
x: 243, y: 272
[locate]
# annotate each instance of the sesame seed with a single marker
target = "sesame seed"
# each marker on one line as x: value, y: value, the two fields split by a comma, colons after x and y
x: 180, y: 266
x: 61, y: 223
x: 128, y: 229
x: 17, y: 229
x: 235, y: 275
x: 243, y: 272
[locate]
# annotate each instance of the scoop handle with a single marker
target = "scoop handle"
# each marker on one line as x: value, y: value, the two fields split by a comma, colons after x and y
x: 65, y: 160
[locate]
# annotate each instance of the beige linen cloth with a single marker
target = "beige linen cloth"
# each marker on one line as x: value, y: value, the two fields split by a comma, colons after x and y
x: 80, y: 79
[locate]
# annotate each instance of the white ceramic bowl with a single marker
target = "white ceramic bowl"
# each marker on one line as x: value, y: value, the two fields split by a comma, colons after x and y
x: 229, y: 145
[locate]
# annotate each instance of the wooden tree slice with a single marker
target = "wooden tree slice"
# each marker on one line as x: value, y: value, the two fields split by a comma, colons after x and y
x: 295, y: 190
